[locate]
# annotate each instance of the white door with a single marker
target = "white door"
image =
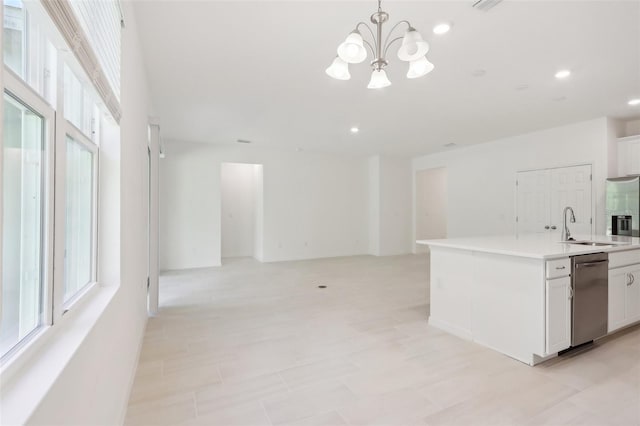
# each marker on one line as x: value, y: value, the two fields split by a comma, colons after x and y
x: 617, y: 292
x: 533, y: 201
x: 571, y: 187
x: 542, y: 196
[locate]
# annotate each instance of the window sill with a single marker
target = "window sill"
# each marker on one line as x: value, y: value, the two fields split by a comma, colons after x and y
x: 29, y: 375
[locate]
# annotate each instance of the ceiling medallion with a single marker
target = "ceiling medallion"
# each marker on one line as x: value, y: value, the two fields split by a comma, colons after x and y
x: 352, y: 51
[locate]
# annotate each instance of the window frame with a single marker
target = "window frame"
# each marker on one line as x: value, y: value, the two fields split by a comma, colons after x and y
x: 68, y: 129
x: 55, y: 130
x: 18, y: 89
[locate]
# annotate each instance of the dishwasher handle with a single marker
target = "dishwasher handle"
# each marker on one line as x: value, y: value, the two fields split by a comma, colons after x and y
x: 590, y: 264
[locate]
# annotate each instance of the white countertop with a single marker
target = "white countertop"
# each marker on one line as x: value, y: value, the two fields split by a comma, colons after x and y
x: 541, y: 246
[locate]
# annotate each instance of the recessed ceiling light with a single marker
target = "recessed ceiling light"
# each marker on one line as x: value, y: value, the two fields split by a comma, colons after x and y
x: 442, y: 28
x: 354, y: 130
x: 634, y: 102
x: 563, y: 74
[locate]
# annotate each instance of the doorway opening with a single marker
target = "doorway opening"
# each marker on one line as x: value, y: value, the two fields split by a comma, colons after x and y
x: 431, y: 206
x: 242, y: 210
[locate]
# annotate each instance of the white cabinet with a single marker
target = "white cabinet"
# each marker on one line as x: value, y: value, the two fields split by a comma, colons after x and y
x: 624, y: 296
x: 558, y: 305
x: 558, y: 330
x: 542, y: 196
x: 629, y: 155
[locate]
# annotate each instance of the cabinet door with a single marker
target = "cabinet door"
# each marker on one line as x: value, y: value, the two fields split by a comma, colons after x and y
x: 533, y: 201
x: 632, y: 294
x: 571, y: 186
x: 629, y: 156
x: 633, y: 155
x: 617, y: 295
x: 558, y: 331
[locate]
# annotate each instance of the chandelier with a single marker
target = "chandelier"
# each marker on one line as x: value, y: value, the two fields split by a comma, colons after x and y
x: 352, y: 51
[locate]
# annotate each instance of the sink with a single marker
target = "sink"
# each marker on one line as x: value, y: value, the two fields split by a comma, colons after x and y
x: 588, y: 243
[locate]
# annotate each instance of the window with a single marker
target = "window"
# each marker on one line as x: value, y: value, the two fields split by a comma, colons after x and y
x: 49, y: 207
x: 79, y: 218
x: 27, y: 51
x: 79, y: 102
x: 23, y: 261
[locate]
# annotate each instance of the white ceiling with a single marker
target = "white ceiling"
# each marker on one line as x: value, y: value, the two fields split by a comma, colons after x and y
x: 221, y: 71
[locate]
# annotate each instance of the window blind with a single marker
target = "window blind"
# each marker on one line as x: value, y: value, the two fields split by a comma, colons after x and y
x: 100, y: 20
x: 92, y: 31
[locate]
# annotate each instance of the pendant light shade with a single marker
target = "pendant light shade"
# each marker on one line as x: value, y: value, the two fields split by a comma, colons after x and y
x: 352, y: 49
x: 378, y: 80
x: 413, y: 46
x: 419, y: 67
x: 338, y: 69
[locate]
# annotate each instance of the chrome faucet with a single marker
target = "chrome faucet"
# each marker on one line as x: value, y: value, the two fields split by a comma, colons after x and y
x: 566, y: 234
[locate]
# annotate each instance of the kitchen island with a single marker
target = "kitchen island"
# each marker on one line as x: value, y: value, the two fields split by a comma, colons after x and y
x: 513, y: 293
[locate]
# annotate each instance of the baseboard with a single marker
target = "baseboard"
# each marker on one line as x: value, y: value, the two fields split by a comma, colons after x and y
x: 132, y: 378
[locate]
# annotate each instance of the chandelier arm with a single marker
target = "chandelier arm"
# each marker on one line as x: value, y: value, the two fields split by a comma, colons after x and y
x: 373, y: 53
x: 373, y: 37
x: 391, y: 32
x: 389, y: 45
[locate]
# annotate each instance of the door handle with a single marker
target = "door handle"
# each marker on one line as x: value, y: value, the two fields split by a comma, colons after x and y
x: 554, y: 227
x: 546, y: 227
x: 631, y: 279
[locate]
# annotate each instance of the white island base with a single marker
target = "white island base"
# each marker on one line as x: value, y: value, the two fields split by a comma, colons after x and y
x: 514, y: 295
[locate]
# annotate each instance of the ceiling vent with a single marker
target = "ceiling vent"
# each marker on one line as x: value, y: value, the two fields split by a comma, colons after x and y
x: 485, y: 5
x: 243, y: 141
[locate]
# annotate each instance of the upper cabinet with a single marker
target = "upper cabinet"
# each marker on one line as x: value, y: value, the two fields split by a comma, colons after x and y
x: 629, y: 155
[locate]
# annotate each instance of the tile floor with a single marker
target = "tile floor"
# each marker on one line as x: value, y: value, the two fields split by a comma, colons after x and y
x: 261, y: 344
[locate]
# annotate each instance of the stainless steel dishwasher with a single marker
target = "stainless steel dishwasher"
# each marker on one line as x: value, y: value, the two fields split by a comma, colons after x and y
x: 589, y: 283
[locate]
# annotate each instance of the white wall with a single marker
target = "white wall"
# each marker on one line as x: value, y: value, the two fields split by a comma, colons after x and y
x: 481, y: 178
x: 395, y: 206
x: 258, y: 239
x: 373, y: 204
x: 93, y: 388
x: 315, y: 205
x: 389, y: 195
x: 238, y: 198
x: 632, y: 127
x: 431, y: 205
